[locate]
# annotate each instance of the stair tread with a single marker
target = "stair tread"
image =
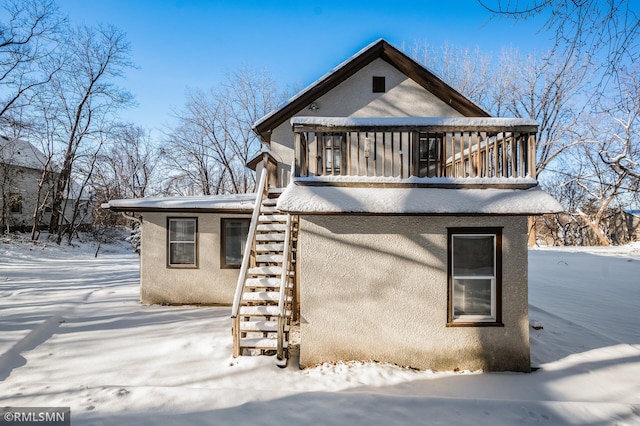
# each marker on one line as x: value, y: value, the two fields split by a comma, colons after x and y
x: 260, y: 343
x: 262, y: 282
x: 262, y: 248
x: 261, y: 326
x: 273, y: 217
x: 270, y: 311
x: 272, y: 227
x: 266, y: 270
x: 269, y: 209
x: 270, y: 237
x: 269, y: 296
x: 269, y: 258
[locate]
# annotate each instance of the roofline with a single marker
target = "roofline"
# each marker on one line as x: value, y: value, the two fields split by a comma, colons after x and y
x: 253, y: 162
x: 379, y: 49
x: 236, y: 203
x: 179, y: 210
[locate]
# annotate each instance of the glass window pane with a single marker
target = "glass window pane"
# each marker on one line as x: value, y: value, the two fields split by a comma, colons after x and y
x: 182, y: 253
x: 473, y: 255
x: 235, y: 240
x: 182, y: 241
x: 472, y: 297
x: 332, y: 162
x: 328, y: 160
x: 182, y: 230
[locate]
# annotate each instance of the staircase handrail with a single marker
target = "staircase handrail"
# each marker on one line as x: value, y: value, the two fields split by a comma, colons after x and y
x: 283, y: 287
x: 260, y: 189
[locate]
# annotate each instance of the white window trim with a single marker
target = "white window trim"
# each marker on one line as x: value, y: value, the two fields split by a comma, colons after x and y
x: 194, y: 242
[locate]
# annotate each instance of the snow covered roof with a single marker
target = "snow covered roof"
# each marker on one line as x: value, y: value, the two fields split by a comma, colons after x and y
x: 308, y: 199
x: 378, y: 49
x: 18, y: 152
x: 210, y: 203
x: 467, y: 123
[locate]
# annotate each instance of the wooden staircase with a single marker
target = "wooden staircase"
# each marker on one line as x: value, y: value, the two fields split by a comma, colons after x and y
x: 263, y: 319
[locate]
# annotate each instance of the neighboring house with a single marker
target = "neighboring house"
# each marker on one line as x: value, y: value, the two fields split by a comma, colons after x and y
x: 633, y: 223
x: 390, y: 221
x: 21, y: 169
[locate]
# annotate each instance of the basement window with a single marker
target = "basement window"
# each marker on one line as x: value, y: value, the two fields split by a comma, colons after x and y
x: 475, y: 276
x: 379, y: 84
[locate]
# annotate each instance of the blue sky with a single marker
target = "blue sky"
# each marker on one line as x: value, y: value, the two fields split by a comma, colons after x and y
x: 192, y: 43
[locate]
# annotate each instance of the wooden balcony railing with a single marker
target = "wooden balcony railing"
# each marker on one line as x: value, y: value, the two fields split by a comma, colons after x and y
x: 414, y: 147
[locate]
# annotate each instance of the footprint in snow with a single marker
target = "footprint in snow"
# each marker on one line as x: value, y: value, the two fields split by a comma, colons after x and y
x: 122, y: 392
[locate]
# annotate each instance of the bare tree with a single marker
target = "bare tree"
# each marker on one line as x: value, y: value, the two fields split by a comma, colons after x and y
x: 30, y: 31
x: 613, y: 153
x: 28, y: 53
x: 469, y: 71
x: 601, y: 176
x: 605, y: 31
x: 600, y: 188
x: 127, y: 164
x: 42, y: 131
x: 546, y: 89
x: 190, y: 158
x: 212, y: 140
x: 621, y: 149
x: 86, y: 98
x: 541, y: 87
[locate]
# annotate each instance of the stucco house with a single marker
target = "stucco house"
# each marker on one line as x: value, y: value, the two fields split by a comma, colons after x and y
x: 390, y: 222
x: 21, y: 169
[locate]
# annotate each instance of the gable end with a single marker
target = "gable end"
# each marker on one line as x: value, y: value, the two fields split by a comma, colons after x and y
x: 380, y: 49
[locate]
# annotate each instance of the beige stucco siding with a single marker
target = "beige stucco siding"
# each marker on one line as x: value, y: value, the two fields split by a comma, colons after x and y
x: 378, y: 291
x: 354, y: 98
x: 206, y: 284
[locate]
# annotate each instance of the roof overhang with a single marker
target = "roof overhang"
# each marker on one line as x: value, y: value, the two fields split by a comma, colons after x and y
x: 424, y: 124
x: 252, y: 164
x: 236, y: 203
x: 322, y: 200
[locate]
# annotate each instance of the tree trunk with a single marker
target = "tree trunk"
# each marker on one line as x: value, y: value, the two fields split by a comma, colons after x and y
x: 532, y: 231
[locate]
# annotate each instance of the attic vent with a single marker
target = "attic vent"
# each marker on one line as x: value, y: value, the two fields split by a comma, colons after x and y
x: 379, y: 84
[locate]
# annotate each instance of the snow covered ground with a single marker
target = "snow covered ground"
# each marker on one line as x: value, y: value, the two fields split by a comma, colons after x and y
x: 72, y: 333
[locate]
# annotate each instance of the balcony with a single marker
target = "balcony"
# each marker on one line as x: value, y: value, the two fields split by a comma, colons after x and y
x: 444, y: 152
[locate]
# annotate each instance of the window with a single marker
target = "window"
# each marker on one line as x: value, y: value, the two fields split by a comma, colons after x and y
x: 379, y: 84
x: 475, y: 269
x: 182, y: 244
x: 429, y: 154
x: 234, y: 238
x: 15, y: 203
x: 334, y: 146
